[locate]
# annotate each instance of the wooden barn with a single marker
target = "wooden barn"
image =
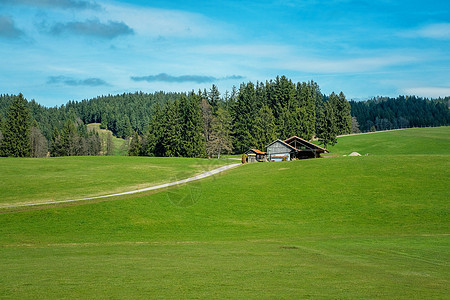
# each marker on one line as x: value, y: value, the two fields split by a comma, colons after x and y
x: 293, y: 148
x: 255, y: 155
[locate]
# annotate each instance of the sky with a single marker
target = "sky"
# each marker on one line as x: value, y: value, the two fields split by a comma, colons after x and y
x: 54, y: 51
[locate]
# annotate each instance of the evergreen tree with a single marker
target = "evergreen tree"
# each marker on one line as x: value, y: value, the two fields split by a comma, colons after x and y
x: 171, y: 137
x: 243, y: 113
x: 109, y: 144
x: 1, y: 132
x: 214, y: 98
x: 69, y: 141
x: 16, y: 135
x: 326, y: 128
x: 193, y: 142
x: 135, y: 146
x: 264, y: 128
x: 207, y: 117
x: 55, y: 146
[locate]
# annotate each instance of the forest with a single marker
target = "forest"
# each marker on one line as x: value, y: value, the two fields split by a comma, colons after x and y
x: 384, y: 113
x: 204, y: 123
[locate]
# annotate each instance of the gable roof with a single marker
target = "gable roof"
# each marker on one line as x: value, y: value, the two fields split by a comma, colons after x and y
x: 283, y: 143
x: 305, y: 142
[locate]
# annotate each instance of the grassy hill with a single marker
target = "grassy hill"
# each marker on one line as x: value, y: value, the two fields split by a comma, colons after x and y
x: 24, y: 180
x: 120, y: 145
x: 341, y: 227
x: 404, y: 141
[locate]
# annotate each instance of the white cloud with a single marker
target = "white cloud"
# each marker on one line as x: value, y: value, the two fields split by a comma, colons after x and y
x: 156, y: 22
x: 254, y: 50
x: 348, y: 65
x: 428, y: 91
x: 437, y: 31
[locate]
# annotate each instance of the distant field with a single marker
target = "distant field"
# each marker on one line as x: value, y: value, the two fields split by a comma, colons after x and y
x: 374, y: 227
x: 25, y: 180
x: 406, y: 141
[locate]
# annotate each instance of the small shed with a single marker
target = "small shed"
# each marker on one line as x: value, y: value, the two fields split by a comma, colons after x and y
x: 278, y: 151
x: 255, y: 155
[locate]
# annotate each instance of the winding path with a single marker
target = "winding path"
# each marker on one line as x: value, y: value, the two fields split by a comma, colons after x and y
x: 156, y: 187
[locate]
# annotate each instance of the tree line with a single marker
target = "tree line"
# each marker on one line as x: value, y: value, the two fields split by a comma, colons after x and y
x: 208, y: 124
x: 20, y: 135
x: 384, y: 113
x: 205, y: 123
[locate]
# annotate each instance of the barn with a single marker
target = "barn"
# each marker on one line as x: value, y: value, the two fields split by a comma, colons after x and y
x: 293, y: 148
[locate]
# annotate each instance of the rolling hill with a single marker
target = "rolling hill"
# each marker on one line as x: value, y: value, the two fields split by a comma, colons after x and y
x: 375, y: 226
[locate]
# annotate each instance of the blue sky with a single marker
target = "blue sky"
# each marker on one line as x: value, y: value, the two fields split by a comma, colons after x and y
x: 54, y: 51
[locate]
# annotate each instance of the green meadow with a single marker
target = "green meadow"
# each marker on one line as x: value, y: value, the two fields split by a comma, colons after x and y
x: 26, y: 180
x: 370, y: 227
x: 411, y: 141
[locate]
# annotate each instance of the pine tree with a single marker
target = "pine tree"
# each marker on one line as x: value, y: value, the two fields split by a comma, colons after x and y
x: 326, y: 128
x: 244, y: 112
x: 69, y: 141
x: 171, y: 137
x: 214, y: 98
x: 135, y: 145
x: 109, y: 144
x: 193, y: 142
x: 16, y: 135
x: 264, y: 128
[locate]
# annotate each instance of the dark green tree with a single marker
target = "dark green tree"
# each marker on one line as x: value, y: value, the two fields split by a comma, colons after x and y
x: 190, y: 113
x: 243, y: 113
x: 326, y: 129
x: 135, y: 147
x: 69, y: 141
x: 16, y: 135
x: 109, y: 144
x: 264, y: 128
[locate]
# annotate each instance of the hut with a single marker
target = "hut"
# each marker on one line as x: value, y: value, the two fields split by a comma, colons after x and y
x: 293, y: 148
x: 255, y: 155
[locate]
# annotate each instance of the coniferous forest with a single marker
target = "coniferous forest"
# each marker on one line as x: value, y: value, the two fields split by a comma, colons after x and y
x: 205, y: 123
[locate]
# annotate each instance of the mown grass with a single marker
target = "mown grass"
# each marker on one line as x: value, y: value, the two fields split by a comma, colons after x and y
x: 405, y: 141
x: 332, y: 228
x: 47, y: 179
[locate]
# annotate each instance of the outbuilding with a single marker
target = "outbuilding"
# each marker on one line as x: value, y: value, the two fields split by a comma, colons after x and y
x: 293, y: 148
x: 278, y: 151
x: 255, y: 155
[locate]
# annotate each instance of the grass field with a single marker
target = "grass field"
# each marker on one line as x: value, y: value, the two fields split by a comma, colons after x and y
x: 333, y: 228
x: 27, y: 180
x: 404, y: 141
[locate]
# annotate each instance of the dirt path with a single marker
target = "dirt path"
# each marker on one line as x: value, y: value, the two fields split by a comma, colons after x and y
x: 156, y: 187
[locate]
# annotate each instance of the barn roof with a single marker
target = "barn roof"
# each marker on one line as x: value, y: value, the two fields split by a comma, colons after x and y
x: 284, y: 144
x: 305, y: 142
